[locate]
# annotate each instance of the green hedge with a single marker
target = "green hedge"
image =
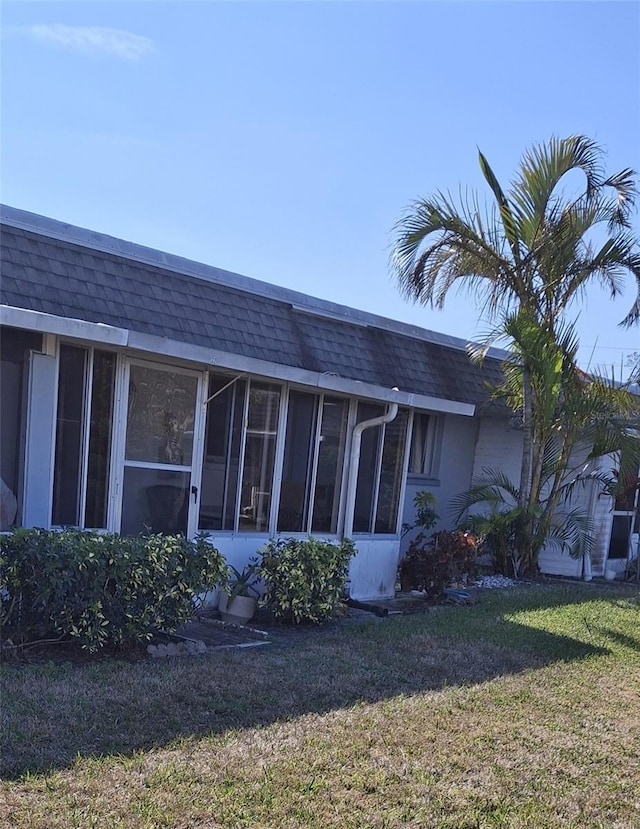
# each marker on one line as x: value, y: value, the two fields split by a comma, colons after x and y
x: 304, y: 578
x: 100, y: 590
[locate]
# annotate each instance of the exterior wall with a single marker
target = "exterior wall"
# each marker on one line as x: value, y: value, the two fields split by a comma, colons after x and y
x: 601, y: 512
x: 499, y: 447
x: 238, y: 549
x: 554, y: 562
x: 454, y: 466
x: 593, y: 502
x: 372, y: 573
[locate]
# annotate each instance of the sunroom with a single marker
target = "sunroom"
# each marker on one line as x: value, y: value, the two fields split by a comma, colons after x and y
x: 149, y: 393
x: 126, y: 441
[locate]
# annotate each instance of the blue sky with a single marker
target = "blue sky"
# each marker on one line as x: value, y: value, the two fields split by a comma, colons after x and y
x: 282, y: 140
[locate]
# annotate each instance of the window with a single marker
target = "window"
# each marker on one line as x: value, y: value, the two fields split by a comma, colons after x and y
x: 422, y: 457
x: 259, y: 457
x: 313, y: 463
x: 297, y: 469
x: 393, y: 449
x: 380, y: 472
x: 83, y: 437
x: 221, y: 465
x: 242, y: 423
x: 244, y: 463
x: 626, y: 518
x: 330, y: 462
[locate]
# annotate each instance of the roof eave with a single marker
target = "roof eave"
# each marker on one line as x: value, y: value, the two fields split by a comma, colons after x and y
x: 93, y: 332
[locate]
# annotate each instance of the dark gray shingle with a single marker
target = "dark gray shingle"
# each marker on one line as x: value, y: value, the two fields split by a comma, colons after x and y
x: 58, y: 277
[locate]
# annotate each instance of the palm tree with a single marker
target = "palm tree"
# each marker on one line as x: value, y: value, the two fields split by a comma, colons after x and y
x: 528, y: 256
x: 576, y: 418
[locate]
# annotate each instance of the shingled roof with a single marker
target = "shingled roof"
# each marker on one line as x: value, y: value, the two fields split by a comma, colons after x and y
x: 69, y: 272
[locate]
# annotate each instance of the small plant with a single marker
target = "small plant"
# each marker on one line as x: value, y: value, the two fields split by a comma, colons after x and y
x: 431, y: 564
x: 498, y: 534
x: 240, y: 583
x: 238, y: 598
x: 426, y: 515
x: 304, y: 578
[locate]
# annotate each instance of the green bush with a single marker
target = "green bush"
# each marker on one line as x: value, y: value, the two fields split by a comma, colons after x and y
x: 100, y: 590
x: 304, y: 578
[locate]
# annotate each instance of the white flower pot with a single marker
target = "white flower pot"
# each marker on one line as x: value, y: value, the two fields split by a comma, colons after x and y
x: 238, y: 610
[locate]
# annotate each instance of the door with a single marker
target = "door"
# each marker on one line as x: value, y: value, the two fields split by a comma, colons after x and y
x: 163, y: 430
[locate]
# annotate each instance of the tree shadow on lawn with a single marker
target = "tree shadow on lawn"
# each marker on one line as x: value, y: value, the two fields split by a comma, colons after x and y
x: 56, y: 712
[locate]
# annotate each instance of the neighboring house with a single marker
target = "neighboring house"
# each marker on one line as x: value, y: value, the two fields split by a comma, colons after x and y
x: 143, y: 391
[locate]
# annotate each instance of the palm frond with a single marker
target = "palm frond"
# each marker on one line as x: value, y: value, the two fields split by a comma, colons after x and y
x: 573, y: 531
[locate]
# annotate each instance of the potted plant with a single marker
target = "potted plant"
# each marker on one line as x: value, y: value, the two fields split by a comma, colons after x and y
x: 237, y: 604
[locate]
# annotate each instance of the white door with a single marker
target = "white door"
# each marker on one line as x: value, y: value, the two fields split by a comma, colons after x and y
x: 159, y: 465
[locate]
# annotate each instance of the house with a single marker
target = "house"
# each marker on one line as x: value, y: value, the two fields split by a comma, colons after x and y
x: 143, y: 391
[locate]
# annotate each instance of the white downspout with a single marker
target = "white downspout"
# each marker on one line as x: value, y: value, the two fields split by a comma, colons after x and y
x: 587, y: 573
x: 354, y: 462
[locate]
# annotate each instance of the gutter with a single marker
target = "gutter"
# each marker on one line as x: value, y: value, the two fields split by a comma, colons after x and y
x: 354, y: 462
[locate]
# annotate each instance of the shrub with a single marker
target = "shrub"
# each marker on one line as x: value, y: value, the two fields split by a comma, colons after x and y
x: 424, y: 503
x: 498, y: 537
x: 100, y: 590
x: 304, y: 578
x: 432, y: 564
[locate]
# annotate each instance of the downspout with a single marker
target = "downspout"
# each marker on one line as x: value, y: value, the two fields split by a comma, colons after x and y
x: 354, y: 462
x: 587, y: 573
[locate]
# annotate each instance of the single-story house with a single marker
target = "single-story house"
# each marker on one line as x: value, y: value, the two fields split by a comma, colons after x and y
x: 143, y: 391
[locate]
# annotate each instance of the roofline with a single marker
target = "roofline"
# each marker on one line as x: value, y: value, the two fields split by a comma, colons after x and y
x: 96, y: 332
x: 303, y: 303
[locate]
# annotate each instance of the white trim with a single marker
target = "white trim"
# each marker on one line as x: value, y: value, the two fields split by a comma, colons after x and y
x: 315, y: 448
x: 163, y: 467
x: 241, y: 458
x: 404, y: 475
x: 207, y: 357
x: 96, y: 332
x: 378, y: 474
x: 118, y: 437
x: 197, y: 456
x: 85, y: 431
x: 278, y: 460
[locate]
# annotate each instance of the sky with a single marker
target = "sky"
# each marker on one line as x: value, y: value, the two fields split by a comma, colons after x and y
x: 283, y: 140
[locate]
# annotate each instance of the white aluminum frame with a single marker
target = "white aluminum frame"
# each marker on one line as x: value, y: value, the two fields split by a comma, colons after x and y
x: 120, y: 428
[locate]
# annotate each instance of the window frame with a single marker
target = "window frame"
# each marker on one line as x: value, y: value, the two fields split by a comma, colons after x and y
x: 431, y: 449
x: 89, y: 350
x: 313, y: 459
x: 375, y: 496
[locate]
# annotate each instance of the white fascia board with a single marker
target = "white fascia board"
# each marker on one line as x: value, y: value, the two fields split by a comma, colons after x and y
x: 63, y: 326
x: 152, y: 344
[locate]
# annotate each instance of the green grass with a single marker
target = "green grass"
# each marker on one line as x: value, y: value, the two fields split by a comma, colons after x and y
x: 522, y: 711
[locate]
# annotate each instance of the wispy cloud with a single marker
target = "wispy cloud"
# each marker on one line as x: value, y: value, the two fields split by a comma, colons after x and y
x: 94, y: 41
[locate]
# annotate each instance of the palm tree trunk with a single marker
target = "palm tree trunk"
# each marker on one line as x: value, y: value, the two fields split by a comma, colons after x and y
x: 525, y: 536
x: 527, y: 440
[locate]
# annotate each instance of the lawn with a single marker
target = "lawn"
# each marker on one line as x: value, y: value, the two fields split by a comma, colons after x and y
x: 522, y: 711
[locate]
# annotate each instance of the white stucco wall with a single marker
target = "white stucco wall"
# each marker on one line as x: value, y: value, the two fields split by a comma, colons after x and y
x: 372, y: 572
x: 499, y: 447
x: 452, y: 475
